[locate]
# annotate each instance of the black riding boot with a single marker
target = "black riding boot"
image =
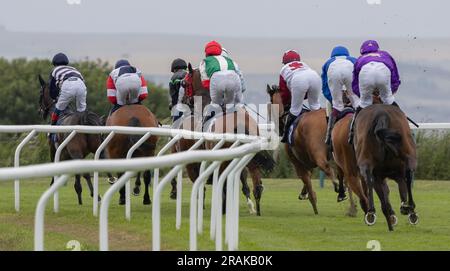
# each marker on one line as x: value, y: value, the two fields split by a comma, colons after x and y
x: 290, y: 119
x: 352, y: 126
x: 331, y: 122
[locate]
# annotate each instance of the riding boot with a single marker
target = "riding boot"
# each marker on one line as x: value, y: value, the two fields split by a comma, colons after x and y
x: 290, y: 119
x: 114, y: 108
x: 331, y: 122
x: 352, y: 126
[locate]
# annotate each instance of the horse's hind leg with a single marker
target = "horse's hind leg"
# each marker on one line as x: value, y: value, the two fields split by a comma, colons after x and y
x: 403, y: 192
x: 412, y: 216
x: 137, y: 185
x: 370, y: 217
x: 341, y: 189
x: 121, y: 192
x: 305, y: 175
x: 246, y: 192
x: 78, y: 188
x: 87, y: 176
x: 383, y: 193
x: 173, y: 192
x: 258, y: 187
x: 325, y: 167
x: 147, y: 180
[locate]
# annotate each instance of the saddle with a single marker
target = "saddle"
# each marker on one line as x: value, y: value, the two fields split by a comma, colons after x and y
x: 291, y: 137
x: 344, y: 113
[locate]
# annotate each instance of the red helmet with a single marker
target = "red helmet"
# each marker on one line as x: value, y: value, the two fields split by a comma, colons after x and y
x: 213, y: 48
x: 290, y: 56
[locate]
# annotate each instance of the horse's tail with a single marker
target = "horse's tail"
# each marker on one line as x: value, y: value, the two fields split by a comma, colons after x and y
x: 264, y: 161
x: 384, y: 135
x: 135, y: 122
x: 90, y: 118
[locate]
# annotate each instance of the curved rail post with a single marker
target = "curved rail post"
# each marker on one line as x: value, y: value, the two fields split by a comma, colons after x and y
x: 40, y: 212
x: 96, y: 157
x: 180, y: 186
x: 201, y: 191
x: 156, y: 210
x: 17, y: 164
x: 214, y: 204
x: 127, y: 184
x: 104, y: 207
x: 234, y: 225
x: 56, y: 160
x: 194, y: 195
x: 164, y: 149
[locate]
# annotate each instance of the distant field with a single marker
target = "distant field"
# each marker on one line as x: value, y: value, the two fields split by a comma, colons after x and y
x: 286, y: 222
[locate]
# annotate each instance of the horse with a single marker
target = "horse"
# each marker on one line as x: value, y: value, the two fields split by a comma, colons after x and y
x: 241, y: 121
x: 191, y: 121
x: 347, y: 169
x: 384, y: 148
x: 81, y: 145
x: 134, y: 115
x: 309, y: 149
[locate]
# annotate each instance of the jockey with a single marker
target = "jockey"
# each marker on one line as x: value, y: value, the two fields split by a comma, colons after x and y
x: 125, y: 85
x: 238, y: 98
x: 218, y: 74
x: 337, y: 75
x: 66, y: 85
x: 178, y: 68
x: 297, y: 81
x: 374, y: 70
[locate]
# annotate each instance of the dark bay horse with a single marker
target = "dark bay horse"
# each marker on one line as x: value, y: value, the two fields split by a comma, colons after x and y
x: 191, y: 121
x: 309, y: 150
x: 385, y: 148
x: 135, y: 115
x: 81, y: 145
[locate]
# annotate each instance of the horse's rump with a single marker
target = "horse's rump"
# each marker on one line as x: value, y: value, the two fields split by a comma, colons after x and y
x: 132, y: 116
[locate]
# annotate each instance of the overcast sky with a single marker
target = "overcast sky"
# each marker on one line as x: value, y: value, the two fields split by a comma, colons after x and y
x: 236, y: 18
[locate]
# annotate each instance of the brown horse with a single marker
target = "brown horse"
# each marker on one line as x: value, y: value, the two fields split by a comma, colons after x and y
x: 309, y: 150
x: 240, y: 121
x: 135, y: 115
x: 385, y: 148
x: 347, y: 169
x: 81, y: 145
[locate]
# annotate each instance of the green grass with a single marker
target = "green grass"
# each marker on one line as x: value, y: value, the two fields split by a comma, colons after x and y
x: 286, y: 223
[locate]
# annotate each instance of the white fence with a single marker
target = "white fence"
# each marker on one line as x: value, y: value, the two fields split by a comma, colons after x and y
x: 240, y: 153
x: 244, y: 147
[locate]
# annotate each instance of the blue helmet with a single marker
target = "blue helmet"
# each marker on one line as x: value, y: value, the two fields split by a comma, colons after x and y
x: 121, y: 63
x: 340, y: 51
x: 60, y: 59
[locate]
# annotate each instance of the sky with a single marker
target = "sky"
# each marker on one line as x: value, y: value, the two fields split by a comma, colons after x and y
x: 232, y: 18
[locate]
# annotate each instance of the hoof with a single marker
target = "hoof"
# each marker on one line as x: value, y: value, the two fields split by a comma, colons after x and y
x: 394, y: 220
x: 146, y: 201
x: 173, y: 195
x: 413, y: 218
x: 112, y: 180
x: 370, y: 219
x: 303, y: 196
x: 122, y: 201
x: 136, y: 191
x: 341, y: 198
x: 404, y: 209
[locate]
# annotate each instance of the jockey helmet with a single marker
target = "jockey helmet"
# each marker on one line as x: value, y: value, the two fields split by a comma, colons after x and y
x: 369, y: 46
x: 178, y: 64
x: 121, y: 63
x: 290, y: 55
x: 60, y: 59
x: 213, y: 48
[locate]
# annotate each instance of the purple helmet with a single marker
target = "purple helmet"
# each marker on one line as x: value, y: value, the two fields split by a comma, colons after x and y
x: 369, y: 46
